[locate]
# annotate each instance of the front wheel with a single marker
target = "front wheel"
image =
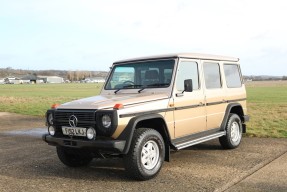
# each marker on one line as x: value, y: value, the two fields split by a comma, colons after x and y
x: 74, y: 157
x: 233, y: 135
x: 145, y: 157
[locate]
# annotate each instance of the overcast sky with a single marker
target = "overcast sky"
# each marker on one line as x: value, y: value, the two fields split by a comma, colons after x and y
x: 91, y: 34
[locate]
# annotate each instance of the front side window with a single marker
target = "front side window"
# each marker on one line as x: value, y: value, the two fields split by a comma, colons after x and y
x: 187, y: 70
x: 212, y: 75
x: 137, y: 75
x: 232, y: 75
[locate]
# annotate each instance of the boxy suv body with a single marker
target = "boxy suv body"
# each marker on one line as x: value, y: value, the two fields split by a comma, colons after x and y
x: 151, y: 105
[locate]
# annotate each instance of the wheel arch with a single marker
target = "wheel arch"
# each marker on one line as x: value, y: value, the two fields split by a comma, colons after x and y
x: 153, y: 121
x: 235, y: 108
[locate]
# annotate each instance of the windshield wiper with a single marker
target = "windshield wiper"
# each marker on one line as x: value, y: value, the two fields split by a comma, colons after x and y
x: 139, y: 91
x: 127, y: 86
x: 117, y: 90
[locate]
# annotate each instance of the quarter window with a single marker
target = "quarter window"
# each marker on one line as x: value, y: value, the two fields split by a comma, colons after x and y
x: 212, y: 75
x: 232, y: 75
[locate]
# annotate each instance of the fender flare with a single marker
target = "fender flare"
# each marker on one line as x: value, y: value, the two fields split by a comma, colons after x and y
x: 128, y: 132
x: 227, y: 112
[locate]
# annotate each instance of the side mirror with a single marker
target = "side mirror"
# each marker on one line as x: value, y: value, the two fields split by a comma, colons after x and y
x: 188, y: 85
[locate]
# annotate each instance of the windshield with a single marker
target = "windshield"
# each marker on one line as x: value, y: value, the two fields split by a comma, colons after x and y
x: 139, y: 75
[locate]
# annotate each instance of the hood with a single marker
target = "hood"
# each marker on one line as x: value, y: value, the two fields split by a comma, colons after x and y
x: 108, y: 101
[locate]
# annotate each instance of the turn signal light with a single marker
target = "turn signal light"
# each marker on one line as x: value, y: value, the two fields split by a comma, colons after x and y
x: 118, y: 106
x: 54, y: 106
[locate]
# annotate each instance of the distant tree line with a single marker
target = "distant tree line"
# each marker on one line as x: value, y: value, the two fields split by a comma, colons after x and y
x: 70, y: 75
x: 265, y: 78
x: 78, y: 75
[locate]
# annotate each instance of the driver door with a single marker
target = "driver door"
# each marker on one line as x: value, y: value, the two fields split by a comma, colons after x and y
x: 189, y: 113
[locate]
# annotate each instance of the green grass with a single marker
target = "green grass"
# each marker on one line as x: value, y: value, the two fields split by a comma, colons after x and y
x: 266, y: 102
x: 267, y: 107
x: 35, y: 99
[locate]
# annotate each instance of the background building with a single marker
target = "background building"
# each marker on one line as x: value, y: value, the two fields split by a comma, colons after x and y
x: 12, y: 80
x: 51, y: 79
x: 29, y: 79
x: 94, y: 80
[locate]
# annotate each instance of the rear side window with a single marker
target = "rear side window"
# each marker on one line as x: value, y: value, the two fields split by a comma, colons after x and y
x: 232, y: 75
x: 212, y: 75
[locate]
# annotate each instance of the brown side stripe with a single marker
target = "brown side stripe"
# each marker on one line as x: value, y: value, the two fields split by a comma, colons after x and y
x: 179, y: 108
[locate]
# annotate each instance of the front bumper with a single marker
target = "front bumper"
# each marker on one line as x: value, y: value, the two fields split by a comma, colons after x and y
x: 115, y: 146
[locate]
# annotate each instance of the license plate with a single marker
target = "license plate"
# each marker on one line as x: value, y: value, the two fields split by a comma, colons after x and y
x: 74, y: 131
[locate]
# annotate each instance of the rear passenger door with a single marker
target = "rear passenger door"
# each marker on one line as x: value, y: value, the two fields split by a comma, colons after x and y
x: 214, y: 94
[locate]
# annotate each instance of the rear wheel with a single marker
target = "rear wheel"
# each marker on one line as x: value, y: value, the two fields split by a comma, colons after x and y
x: 233, y: 135
x: 74, y: 157
x: 145, y: 157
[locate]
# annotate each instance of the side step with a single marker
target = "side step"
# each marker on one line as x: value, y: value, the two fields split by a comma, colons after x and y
x: 189, y: 143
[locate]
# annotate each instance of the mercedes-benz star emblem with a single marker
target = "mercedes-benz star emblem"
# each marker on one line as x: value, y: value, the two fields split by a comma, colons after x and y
x: 73, y: 121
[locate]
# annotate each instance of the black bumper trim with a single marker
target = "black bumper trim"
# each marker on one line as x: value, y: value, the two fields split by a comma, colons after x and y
x: 116, y: 146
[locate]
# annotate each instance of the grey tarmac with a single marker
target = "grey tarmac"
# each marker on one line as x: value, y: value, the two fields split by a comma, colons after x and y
x: 28, y: 164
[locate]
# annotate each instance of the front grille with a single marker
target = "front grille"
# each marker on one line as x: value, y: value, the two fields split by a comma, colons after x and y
x: 86, y: 118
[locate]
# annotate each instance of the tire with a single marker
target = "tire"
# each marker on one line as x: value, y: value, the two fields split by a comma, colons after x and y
x: 146, y: 155
x: 233, y: 135
x: 74, y: 157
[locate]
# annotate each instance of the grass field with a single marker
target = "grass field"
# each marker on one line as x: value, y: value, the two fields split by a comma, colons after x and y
x: 267, y: 107
x: 267, y: 102
x: 32, y: 99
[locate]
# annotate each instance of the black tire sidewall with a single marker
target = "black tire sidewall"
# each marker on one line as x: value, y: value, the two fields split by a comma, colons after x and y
x: 132, y: 160
x: 150, y: 137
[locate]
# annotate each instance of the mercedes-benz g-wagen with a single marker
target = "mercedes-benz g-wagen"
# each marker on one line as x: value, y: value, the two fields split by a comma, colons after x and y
x: 149, y: 106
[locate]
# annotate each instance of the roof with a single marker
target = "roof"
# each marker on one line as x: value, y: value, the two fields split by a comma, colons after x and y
x: 29, y: 77
x: 183, y: 55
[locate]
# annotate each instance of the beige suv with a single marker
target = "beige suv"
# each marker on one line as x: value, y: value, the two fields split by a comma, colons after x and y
x: 149, y: 106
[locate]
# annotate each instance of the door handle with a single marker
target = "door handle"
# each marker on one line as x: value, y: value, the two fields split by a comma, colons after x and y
x: 179, y: 94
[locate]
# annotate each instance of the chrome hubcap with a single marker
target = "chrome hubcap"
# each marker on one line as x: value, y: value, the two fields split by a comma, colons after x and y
x: 235, y: 132
x: 150, y: 154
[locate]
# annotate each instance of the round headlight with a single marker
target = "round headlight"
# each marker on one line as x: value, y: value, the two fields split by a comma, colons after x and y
x: 91, y: 133
x: 106, y: 121
x: 51, y: 130
x: 50, y: 119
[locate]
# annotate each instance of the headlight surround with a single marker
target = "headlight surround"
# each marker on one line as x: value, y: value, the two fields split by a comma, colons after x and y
x: 50, y: 119
x: 106, y: 121
x: 50, y: 122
